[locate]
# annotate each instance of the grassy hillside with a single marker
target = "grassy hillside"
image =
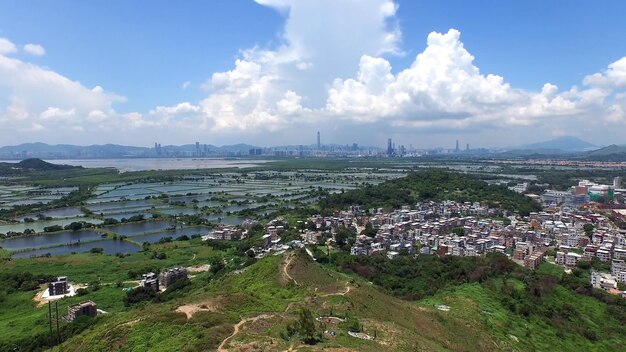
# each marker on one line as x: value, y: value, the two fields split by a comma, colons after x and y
x: 431, y: 185
x: 255, y: 308
x: 264, y: 300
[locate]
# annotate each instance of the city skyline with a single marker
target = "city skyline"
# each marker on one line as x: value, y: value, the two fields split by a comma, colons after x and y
x: 422, y: 73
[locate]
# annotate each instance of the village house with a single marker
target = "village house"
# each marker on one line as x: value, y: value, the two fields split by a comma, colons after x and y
x: 170, y: 276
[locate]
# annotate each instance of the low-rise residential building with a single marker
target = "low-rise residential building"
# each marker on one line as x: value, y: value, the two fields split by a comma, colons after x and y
x: 534, y: 260
x: 572, y: 258
x: 150, y: 280
x: 603, y: 281
x: 59, y: 287
x: 170, y: 276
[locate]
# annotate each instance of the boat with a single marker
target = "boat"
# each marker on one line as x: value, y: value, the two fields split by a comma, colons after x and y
x: 171, y: 228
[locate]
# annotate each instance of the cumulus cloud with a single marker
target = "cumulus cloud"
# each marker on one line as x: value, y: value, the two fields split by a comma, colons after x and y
x: 332, y: 65
x: 6, y: 46
x: 265, y: 88
x: 37, y: 99
x: 34, y: 49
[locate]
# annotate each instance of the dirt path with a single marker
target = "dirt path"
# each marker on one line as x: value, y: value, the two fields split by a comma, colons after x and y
x: 190, y: 309
x: 285, y: 270
x: 338, y: 293
x: 238, y: 326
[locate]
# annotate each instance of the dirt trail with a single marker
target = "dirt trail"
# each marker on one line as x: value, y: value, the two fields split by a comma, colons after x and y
x: 190, y: 309
x: 347, y: 290
x: 238, y: 326
x: 286, y: 272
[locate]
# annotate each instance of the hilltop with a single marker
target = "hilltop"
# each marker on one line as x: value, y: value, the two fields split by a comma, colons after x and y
x: 32, y: 165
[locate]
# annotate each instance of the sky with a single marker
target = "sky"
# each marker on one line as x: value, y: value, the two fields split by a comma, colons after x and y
x: 273, y: 72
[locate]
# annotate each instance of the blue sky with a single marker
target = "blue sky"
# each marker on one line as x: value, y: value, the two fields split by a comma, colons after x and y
x: 300, y: 64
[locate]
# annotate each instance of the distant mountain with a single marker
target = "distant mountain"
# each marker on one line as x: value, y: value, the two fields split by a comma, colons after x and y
x: 610, y: 153
x: 563, y: 144
x: 66, y: 151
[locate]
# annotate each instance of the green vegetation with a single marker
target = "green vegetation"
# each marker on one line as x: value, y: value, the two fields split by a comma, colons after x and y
x: 494, y: 304
x: 432, y: 185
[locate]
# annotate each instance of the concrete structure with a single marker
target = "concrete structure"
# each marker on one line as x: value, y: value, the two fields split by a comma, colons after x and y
x: 87, y: 308
x: 572, y: 258
x: 172, y: 275
x: 150, y: 280
x: 534, y: 260
x: 59, y: 287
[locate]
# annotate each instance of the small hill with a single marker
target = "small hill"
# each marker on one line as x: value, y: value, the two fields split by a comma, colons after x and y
x: 40, y: 165
x: 32, y: 165
x: 428, y: 185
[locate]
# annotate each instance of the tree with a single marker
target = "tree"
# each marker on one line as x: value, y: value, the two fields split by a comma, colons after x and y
x: 306, y: 326
x: 369, y: 230
x: 588, y: 228
x: 139, y: 294
x: 342, y: 236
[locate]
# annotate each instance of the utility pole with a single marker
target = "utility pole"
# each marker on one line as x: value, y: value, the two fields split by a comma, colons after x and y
x: 50, y: 323
x: 56, y: 307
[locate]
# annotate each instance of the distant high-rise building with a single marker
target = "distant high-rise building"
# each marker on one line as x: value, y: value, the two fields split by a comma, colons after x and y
x: 197, y: 148
x: 457, y: 146
x: 467, y: 147
x: 319, y: 144
x: 157, y: 148
x: 617, y: 182
x: 389, y: 147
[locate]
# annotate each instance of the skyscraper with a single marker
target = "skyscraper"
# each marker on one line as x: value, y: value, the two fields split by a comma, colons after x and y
x: 389, y: 147
x: 457, y: 146
x: 319, y: 145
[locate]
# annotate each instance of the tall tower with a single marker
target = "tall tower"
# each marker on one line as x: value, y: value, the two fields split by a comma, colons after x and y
x: 319, y: 144
x: 617, y: 182
x: 389, y: 147
x: 457, y: 146
x: 467, y: 147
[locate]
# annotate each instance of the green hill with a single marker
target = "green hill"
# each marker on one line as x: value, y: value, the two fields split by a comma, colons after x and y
x: 433, y: 185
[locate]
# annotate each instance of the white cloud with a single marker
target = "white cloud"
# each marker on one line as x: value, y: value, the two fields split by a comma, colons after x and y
x: 267, y: 88
x: 34, y: 49
x: 613, y: 77
x: 38, y: 100
x: 6, y: 46
x: 443, y: 88
x: 332, y: 66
